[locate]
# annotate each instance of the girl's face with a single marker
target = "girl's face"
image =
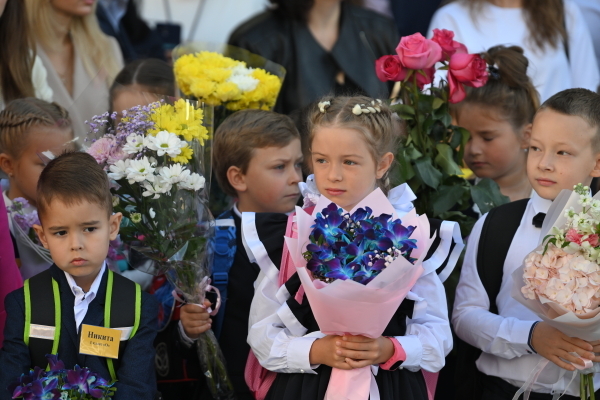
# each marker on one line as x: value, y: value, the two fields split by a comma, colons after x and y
x: 494, y: 149
x: 74, y: 8
x: 24, y: 171
x: 345, y: 171
x: 131, y: 96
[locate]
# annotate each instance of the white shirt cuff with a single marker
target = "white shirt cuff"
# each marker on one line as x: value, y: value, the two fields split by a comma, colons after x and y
x: 185, y: 339
x: 298, y: 353
x: 414, y: 351
x: 520, y: 336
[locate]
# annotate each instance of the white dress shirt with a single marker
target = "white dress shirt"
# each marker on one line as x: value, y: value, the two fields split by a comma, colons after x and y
x: 504, y: 337
x: 282, y: 344
x: 83, y: 299
x: 550, y: 70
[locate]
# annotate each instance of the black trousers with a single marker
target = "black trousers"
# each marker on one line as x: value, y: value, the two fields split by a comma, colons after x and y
x: 495, y: 388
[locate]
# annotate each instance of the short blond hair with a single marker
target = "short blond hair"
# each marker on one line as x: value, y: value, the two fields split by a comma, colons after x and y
x: 243, y: 132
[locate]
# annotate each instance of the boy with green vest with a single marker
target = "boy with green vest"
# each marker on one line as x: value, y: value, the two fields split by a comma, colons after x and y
x: 78, y: 303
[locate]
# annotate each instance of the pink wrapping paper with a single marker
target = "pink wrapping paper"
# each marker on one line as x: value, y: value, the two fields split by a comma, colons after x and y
x: 348, y: 307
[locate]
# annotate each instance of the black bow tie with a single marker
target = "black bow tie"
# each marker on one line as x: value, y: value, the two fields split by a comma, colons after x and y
x: 538, y: 220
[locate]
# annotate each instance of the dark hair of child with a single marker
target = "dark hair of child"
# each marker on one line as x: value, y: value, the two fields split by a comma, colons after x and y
x: 73, y: 177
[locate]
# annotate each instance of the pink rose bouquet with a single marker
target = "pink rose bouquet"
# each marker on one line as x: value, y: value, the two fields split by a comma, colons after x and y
x: 560, y: 280
x: 431, y: 154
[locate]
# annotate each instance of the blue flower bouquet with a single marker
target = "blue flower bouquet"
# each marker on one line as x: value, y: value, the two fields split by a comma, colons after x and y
x: 356, y: 268
x: 60, y: 383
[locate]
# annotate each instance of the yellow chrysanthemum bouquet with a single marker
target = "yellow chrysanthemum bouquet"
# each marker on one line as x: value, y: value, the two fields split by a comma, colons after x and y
x: 227, y: 76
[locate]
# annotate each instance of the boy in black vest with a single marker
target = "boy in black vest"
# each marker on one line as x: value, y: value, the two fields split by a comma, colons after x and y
x: 564, y: 151
x: 258, y: 161
x: 77, y: 223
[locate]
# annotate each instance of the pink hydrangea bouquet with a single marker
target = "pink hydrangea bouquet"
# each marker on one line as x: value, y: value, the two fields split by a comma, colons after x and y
x: 560, y: 280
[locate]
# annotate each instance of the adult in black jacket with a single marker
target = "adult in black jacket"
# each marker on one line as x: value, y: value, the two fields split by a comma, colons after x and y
x: 326, y: 46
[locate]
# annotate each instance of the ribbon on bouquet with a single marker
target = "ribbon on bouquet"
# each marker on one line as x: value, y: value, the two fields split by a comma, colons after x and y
x: 206, y: 287
x: 353, y: 384
x: 537, y: 370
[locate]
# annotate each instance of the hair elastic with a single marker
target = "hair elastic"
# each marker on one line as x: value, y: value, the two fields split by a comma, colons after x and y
x: 324, y: 105
x: 494, y: 71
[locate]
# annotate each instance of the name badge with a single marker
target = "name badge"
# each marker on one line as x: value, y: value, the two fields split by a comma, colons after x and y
x: 99, y: 341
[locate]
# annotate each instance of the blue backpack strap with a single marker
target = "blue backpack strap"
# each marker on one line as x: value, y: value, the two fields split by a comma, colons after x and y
x: 223, y: 246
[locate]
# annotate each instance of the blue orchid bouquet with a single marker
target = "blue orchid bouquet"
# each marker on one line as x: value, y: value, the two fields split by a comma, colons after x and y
x: 356, y: 246
x: 62, y: 384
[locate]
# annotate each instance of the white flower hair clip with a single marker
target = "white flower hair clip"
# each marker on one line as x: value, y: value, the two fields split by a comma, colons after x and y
x: 374, y: 107
x: 323, y: 105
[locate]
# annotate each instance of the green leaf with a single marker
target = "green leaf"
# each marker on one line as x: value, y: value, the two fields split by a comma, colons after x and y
x: 456, y: 138
x: 404, y: 111
x: 405, y: 168
x: 445, y: 159
x: 427, y: 173
x: 486, y: 194
x: 437, y: 103
x: 447, y: 197
x: 412, y: 153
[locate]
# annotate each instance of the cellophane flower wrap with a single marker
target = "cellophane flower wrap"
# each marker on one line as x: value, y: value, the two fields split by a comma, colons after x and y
x: 560, y: 280
x: 155, y: 158
x: 61, y: 383
x: 23, y: 217
x: 356, y: 268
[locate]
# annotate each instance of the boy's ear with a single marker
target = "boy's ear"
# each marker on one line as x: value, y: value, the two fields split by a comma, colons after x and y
x: 6, y: 164
x: 40, y: 233
x: 114, y: 223
x: 237, y: 179
x: 526, y: 136
x: 384, y: 164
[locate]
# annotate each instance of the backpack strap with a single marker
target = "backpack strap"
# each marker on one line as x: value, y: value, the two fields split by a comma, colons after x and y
x: 42, y: 317
x: 122, y: 311
x: 223, y: 246
x: 497, y: 234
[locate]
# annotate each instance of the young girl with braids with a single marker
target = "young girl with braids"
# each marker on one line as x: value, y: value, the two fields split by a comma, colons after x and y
x: 499, y: 116
x: 29, y: 128
x: 352, y: 151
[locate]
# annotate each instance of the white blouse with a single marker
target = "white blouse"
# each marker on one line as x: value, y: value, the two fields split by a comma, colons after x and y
x: 39, y: 79
x: 550, y: 70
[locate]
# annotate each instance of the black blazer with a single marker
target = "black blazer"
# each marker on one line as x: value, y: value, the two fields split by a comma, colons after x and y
x: 364, y: 37
x: 136, y: 377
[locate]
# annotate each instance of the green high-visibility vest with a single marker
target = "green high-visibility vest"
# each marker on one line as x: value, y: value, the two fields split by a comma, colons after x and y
x: 122, y: 310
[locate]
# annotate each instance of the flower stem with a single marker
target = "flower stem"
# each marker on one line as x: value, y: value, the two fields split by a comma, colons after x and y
x: 582, y: 382
x: 415, y: 89
x: 591, y: 386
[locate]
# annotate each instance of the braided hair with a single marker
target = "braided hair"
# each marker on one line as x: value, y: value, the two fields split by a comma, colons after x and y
x: 380, y: 127
x: 20, y: 115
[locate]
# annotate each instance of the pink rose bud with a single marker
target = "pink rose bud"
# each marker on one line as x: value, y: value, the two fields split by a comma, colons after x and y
x: 416, y: 52
x: 445, y: 39
x: 389, y: 68
x: 573, y: 236
x: 457, y: 90
x: 593, y: 240
x: 469, y: 69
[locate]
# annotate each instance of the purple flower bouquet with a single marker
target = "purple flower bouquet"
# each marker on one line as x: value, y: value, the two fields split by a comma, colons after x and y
x: 60, y: 383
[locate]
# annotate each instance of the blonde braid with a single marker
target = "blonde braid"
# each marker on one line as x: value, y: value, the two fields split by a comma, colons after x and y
x: 22, y: 114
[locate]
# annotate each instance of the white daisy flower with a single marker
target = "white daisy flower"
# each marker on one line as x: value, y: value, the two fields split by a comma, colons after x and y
x: 174, y: 173
x: 156, y: 188
x: 165, y: 143
x: 140, y: 170
x: 135, y: 144
x: 119, y: 169
x: 193, y: 182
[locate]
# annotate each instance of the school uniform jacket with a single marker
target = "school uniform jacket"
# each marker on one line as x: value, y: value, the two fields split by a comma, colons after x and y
x: 135, y: 375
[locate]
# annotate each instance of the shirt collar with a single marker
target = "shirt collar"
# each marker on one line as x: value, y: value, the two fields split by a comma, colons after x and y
x: 236, y: 211
x: 93, y: 289
x: 539, y: 204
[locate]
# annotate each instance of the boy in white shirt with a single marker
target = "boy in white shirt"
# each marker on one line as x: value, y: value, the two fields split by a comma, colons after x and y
x: 564, y: 150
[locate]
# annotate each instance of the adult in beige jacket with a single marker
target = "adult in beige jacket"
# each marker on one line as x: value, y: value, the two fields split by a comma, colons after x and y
x: 81, y: 61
